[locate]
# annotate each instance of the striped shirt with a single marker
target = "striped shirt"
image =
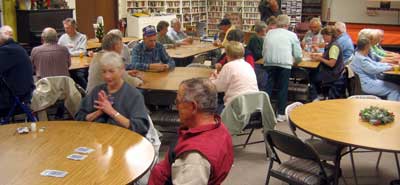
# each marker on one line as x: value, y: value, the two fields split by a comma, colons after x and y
x: 51, y: 60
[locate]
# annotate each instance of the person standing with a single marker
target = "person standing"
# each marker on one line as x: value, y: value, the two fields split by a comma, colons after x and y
x: 268, y: 8
x: 281, y: 49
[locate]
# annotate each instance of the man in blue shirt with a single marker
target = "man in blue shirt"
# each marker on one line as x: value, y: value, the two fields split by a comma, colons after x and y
x: 344, y: 42
x: 150, y: 55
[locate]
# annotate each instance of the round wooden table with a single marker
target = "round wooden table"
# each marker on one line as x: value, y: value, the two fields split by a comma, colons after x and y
x: 338, y: 121
x: 120, y: 157
x: 170, y: 80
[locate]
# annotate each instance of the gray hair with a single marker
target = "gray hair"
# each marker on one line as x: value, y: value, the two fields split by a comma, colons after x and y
x: 110, y: 40
x: 259, y: 26
x: 112, y: 59
x: 235, y: 35
x: 70, y: 21
x: 116, y: 32
x: 316, y: 20
x: 362, y: 43
x: 365, y: 33
x: 203, y: 92
x: 282, y: 21
x: 49, y: 35
x: 340, y: 26
x: 174, y: 20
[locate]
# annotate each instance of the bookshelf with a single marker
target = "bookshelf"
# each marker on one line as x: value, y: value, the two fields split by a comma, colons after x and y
x: 292, y: 8
x: 311, y: 8
x: 189, y: 12
x: 242, y: 13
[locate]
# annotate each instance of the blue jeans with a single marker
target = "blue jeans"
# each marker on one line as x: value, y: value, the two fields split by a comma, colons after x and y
x: 280, y: 76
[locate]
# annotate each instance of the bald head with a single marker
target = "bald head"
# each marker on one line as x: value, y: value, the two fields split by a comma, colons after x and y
x: 49, y: 35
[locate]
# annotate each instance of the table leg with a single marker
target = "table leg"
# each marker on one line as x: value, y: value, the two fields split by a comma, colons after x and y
x: 397, y: 164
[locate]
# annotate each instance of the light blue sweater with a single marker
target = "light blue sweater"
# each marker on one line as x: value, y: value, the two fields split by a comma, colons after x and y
x: 281, y: 48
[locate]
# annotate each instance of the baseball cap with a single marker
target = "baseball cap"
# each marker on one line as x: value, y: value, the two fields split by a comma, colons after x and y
x: 224, y: 22
x: 149, y: 30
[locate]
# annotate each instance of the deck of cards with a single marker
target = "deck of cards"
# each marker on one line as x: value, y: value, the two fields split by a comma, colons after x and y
x: 77, y: 157
x: 54, y: 173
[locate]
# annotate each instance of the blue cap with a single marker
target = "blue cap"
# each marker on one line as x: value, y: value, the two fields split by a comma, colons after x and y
x: 149, y: 30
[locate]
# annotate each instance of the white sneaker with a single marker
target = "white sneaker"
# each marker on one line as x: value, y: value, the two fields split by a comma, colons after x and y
x: 281, y: 118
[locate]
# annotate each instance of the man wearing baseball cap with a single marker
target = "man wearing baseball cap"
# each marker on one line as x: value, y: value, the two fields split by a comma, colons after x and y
x: 150, y: 55
x: 225, y: 27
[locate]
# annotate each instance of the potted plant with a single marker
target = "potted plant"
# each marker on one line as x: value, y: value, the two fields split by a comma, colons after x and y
x: 100, y: 31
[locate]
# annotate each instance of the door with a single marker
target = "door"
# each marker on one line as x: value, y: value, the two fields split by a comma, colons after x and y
x: 87, y: 12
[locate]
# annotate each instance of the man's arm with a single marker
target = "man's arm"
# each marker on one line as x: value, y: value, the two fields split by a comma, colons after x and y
x: 190, y: 168
x: 80, y: 46
x: 166, y: 59
x: 137, y: 61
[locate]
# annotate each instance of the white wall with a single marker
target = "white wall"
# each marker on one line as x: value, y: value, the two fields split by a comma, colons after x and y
x: 71, y: 4
x: 355, y: 11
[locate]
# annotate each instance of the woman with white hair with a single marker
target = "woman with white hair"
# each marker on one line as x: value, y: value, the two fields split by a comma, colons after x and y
x: 115, y: 102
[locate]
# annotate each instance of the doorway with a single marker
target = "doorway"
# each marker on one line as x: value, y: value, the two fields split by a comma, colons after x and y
x: 87, y: 12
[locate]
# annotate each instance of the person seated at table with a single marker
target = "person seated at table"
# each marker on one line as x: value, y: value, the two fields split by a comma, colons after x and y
x: 162, y: 37
x: 237, y: 76
x: 203, y: 152
x: 330, y: 76
x: 271, y: 23
x: 177, y: 35
x: 313, y: 38
x: 367, y: 70
x: 125, y: 53
x: 150, y: 55
x: 114, y: 102
x: 225, y: 26
x: 377, y: 38
x: 111, y: 43
x: 256, y: 41
x: 370, y: 35
x: 76, y: 43
x: 72, y: 39
x: 50, y: 59
x: 344, y: 42
x: 235, y: 35
x: 16, y: 71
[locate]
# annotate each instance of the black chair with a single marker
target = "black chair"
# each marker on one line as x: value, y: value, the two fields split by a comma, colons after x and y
x: 255, y: 122
x: 305, y: 166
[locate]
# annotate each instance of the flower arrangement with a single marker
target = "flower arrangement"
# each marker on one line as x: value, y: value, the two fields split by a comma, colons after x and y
x: 100, y: 31
x: 376, y: 116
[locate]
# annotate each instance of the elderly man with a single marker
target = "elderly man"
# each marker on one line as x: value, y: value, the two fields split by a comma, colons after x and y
x: 177, y: 35
x: 281, y: 48
x: 203, y: 153
x: 162, y: 37
x: 15, y: 71
x: 76, y: 44
x: 125, y: 53
x: 150, y: 55
x: 8, y: 31
x: 344, y: 42
x: 313, y: 39
x: 111, y: 42
x: 72, y: 39
x: 50, y: 59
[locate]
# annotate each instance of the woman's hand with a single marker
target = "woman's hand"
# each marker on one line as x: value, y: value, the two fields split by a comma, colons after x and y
x: 104, y: 104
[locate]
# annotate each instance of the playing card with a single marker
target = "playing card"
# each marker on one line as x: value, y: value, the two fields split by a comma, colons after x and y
x: 84, y: 150
x: 54, y: 173
x: 77, y: 157
x: 22, y: 130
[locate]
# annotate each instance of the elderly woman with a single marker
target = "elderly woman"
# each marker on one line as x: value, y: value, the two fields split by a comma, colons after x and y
x: 162, y: 37
x: 367, y: 70
x: 115, y: 102
x: 332, y: 67
x: 125, y: 53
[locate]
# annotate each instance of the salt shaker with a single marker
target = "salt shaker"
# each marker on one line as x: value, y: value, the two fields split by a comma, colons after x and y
x: 33, y: 127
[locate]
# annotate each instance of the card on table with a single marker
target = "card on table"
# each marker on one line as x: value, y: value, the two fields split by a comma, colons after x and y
x: 84, y: 150
x: 77, y: 157
x: 54, y: 173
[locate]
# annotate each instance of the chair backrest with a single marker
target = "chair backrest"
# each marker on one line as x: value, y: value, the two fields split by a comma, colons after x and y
x: 357, y: 85
x: 290, y: 145
x: 372, y: 97
x: 288, y: 110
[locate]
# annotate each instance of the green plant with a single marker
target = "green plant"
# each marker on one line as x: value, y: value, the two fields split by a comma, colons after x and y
x: 376, y: 116
x: 100, y: 31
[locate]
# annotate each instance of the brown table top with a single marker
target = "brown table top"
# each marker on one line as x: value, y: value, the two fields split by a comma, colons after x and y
x: 304, y: 63
x: 185, y: 51
x: 338, y: 121
x: 79, y: 63
x: 169, y: 81
x: 120, y: 155
x: 392, y: 72
x: 94, y: 43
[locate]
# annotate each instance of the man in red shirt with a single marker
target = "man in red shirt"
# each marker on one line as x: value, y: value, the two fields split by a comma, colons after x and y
x: 203, y: 153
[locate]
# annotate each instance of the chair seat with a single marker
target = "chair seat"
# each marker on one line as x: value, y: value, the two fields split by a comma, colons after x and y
x: 304, y: 171
x: 326, y: 150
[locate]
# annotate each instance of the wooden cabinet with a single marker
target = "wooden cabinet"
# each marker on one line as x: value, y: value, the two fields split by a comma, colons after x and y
x: 30, y: 23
